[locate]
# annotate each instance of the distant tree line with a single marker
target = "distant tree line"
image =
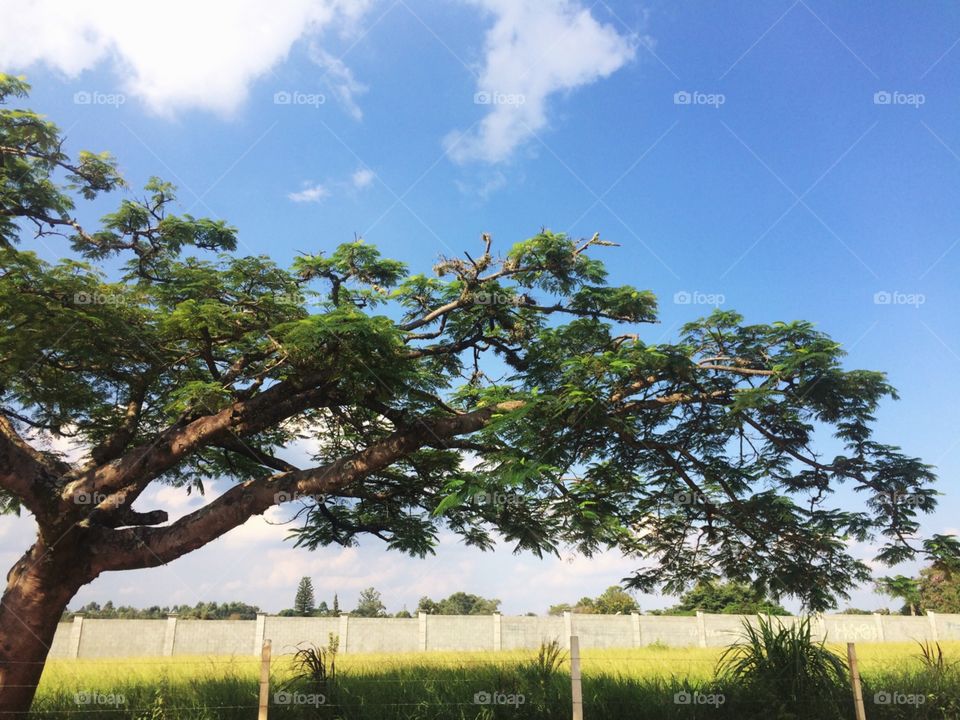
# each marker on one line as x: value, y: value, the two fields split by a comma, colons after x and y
x: 370, y: 604
x: 200, y: 611
x: 935, y: 589
x: 612, y: 601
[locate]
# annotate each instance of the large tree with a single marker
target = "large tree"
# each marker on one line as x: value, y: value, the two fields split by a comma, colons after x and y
x: 171, y: 358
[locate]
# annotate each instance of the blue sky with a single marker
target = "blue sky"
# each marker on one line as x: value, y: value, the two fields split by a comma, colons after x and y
x: 785, y: 159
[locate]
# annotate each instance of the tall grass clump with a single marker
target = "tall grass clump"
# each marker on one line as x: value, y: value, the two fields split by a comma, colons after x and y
x: 786, y: 668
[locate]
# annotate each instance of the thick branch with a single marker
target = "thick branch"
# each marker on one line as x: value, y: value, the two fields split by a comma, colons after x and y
x: 148, y: 547
x: 24, y: 470
x: 145, y: 462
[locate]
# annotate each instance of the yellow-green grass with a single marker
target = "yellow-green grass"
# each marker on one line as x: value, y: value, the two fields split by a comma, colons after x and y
x: 695, y: 663
x: 638, y: 683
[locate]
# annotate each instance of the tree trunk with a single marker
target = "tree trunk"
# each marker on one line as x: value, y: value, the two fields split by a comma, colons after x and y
x: 38, y: 589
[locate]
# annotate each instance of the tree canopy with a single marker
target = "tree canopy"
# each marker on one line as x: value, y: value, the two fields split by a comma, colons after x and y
x: 370, y: 604
x: 727, y: 598
x: 459, y: 603
x: 612, y: 601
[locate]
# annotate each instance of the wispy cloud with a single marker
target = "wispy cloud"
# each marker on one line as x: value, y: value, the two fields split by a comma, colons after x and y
x: 535, y: 49
x: 311, y: 193
x: 362, y: 178
x: 340, y: 80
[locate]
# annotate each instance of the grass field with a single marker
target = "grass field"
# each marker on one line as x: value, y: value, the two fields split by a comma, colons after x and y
x: 639, y: 684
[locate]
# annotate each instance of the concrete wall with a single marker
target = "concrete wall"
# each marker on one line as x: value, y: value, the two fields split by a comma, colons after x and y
x: 171, y: 637
x: 110, y: 638
x: 212, y: 637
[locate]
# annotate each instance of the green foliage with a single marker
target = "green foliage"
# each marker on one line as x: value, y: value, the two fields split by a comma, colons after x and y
x: 303, y: 603
x: 939, y: 590
x: 459, y: 603
x: 784, y: 665
x: 612, y: 601
x: 201, y: 611
x: 370, y: 604
x: 902, y: 587
x: 727, y: 598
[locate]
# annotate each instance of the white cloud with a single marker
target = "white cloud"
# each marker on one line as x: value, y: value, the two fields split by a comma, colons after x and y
x: 310, y: 193
x: 339, y: 78
x: 186, y: 54
x: 535, y: 49
x: 362, y: 178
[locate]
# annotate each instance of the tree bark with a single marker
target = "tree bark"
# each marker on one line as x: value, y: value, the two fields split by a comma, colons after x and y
x: 39, y: 587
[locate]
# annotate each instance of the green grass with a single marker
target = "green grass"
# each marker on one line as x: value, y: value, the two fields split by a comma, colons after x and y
x: 639, y: 684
